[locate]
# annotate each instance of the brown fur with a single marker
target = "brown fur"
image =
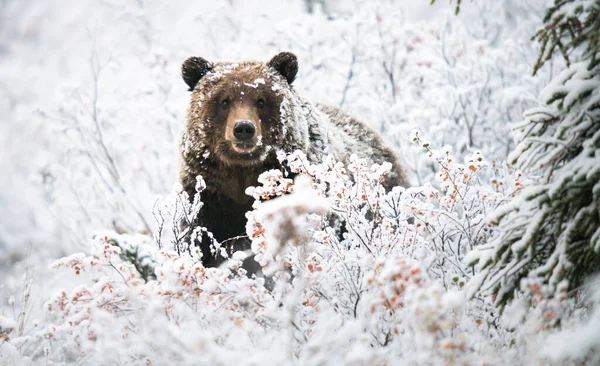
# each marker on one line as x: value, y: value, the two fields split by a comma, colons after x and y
x: 210, y: 128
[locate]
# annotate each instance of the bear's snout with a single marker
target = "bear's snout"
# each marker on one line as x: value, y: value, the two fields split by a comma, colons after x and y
x: 244, y: 130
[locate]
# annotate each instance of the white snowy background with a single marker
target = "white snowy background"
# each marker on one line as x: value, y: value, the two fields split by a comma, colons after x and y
x: 91, y: 109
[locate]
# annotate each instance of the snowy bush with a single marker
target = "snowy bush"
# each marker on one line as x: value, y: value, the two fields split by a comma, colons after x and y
x: 580, y: 330
x: 359, y: 276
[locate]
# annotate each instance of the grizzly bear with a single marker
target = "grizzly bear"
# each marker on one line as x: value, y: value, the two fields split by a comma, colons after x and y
x: 241, y: 114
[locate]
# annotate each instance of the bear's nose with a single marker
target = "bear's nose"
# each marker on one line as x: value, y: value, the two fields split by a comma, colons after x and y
x: 244, y: 130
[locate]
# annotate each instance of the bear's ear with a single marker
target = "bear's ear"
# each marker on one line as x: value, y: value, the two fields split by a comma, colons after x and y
x: 286, y: 64
x: 193, y: 69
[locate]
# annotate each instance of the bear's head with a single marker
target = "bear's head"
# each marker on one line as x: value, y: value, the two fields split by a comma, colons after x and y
x: 237, y: 110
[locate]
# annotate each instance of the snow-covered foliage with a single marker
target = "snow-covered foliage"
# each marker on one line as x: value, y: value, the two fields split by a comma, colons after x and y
x: 92, y: 106
x: 387, y: 285
x: 552, y: 231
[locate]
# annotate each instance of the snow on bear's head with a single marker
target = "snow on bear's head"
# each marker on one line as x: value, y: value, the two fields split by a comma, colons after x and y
x: 239, y: 111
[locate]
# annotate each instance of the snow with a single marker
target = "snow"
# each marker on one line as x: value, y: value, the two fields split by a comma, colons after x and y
x: 256, y: 83
x: 92, y: 106
x: 7, y: 323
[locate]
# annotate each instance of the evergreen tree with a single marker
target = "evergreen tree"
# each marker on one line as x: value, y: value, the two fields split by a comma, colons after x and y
x: 551, y: 232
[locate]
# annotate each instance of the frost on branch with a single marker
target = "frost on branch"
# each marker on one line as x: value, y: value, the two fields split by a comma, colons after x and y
x: 115, y: 316
x: 176, y: 218
x: 454, y: 218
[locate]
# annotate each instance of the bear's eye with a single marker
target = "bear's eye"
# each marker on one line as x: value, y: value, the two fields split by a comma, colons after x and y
x: 225, y: 103
x: 260, y: 103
